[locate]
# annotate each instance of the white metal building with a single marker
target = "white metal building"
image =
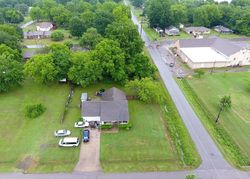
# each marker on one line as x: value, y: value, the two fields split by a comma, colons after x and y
x: 214, y: 52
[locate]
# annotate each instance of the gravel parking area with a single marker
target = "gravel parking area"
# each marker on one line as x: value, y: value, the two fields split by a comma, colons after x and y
x: 89, y: 154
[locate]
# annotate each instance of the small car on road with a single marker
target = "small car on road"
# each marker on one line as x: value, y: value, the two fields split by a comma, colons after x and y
x: 85, y: 135
x: 69, y: 142
x: 81, y: 124
x: 62, y: 133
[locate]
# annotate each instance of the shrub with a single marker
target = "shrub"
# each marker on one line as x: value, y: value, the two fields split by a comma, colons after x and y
x: 33, y: 111
x: 57, y: 35
x: 199, y: 72
x: 69, y: 44
x: 190, y: 176
x: 106, y: 126
x: 125, y: 126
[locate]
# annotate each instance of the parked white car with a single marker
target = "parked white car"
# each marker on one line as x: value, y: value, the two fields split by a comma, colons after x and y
x: 69, y: 142
x: 81, y: 124
x: 62, y: 133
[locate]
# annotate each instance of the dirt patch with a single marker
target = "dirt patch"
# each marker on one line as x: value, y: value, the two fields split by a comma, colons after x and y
x: 26, y: 163
x: 46, y: 145
x: 110, y: 131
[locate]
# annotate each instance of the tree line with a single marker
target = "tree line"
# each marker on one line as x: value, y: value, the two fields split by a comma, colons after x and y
x: 163, y: 13
x: 115, y: 53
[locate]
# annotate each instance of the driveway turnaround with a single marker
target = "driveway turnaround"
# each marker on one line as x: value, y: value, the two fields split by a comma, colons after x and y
x: 89, y: 154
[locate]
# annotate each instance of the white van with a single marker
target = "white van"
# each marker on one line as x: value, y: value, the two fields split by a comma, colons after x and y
x: 69, y: 142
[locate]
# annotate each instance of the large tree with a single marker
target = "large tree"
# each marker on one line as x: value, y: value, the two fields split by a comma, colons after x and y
x: 139, y: 66
x: 8, y: 52
x: 36, y: 13
x: 207, y: 15
x: 90, y: 39
x: 88, y: 17
x: 84, y: 71
x: 159, y: 13
x: 61, y: 58
x: 12, y: 16
x: 9, y: 40
x: 11, y: 73
x: 179, y: 12
x: 41, y: 68
x: 76, y: 27
x: 112, y: 60
x: 146, y: 89
x: 126, y: 33
x: 60, y: 15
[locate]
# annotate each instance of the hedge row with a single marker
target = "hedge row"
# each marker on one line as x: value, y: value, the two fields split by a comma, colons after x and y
x: 230, y: 148
x: 125, y: 126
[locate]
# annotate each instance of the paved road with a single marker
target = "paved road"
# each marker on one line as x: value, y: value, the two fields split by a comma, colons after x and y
x: 213, y: 166
x: 212, y: 159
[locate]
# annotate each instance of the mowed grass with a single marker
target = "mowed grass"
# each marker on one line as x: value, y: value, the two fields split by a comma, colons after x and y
x: 22, y: 137
x: 146, y: 147
x: 236, y: 121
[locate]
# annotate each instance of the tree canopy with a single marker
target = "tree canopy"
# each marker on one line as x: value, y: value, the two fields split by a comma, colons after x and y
x: 41, y: 68
x: 84, y: 71
x: 11, y: 73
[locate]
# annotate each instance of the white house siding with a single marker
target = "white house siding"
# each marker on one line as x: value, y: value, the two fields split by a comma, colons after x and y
x: 240, y: 58
x: 91, y: 119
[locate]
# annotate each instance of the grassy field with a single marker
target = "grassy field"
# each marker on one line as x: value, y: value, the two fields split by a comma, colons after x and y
x: 151, y: 144
x: 147, y: 147
x: 229, y: 36
x: 234, y: 124
x: 30, y: 141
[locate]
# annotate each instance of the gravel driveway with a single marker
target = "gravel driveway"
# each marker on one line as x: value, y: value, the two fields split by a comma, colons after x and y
x: 89, y: 154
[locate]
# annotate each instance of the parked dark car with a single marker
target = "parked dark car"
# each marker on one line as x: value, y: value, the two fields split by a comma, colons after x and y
x: 85, y: 135
x: 100, y: 92
x: 171, y: 65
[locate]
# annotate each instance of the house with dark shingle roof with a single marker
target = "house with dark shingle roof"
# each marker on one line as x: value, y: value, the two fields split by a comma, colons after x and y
x: 200, y: 30
x: 112, y: 108
x: 213, y: 52
x: 222, y: 29
x: 172, y: 31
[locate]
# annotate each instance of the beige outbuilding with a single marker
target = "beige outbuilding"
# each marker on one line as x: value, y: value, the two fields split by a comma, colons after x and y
x: 213, y: 53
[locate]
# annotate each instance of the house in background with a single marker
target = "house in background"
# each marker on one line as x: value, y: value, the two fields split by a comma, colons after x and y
x: 197, y: 31
x: 111, y: 109
x: 36, y: 34
x: 28, y: 55
x: 44, y: 26
x: 213, y: 52
x: 223, y: 30
x: 172, y: 31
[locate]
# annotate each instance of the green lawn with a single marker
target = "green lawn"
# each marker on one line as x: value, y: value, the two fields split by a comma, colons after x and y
x: 213, y: 32
x: 158, y: 141
x: 235, y: 122
x: 149, y: 146
x: 146, y: 147
x: 22, y: 137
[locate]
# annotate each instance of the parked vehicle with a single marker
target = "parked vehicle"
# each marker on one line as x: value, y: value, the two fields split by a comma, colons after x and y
x: 69, y: 142
x: 81, y: 124
x: 85, y: 135
x: 171, y: 65
x: 62, y: 133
